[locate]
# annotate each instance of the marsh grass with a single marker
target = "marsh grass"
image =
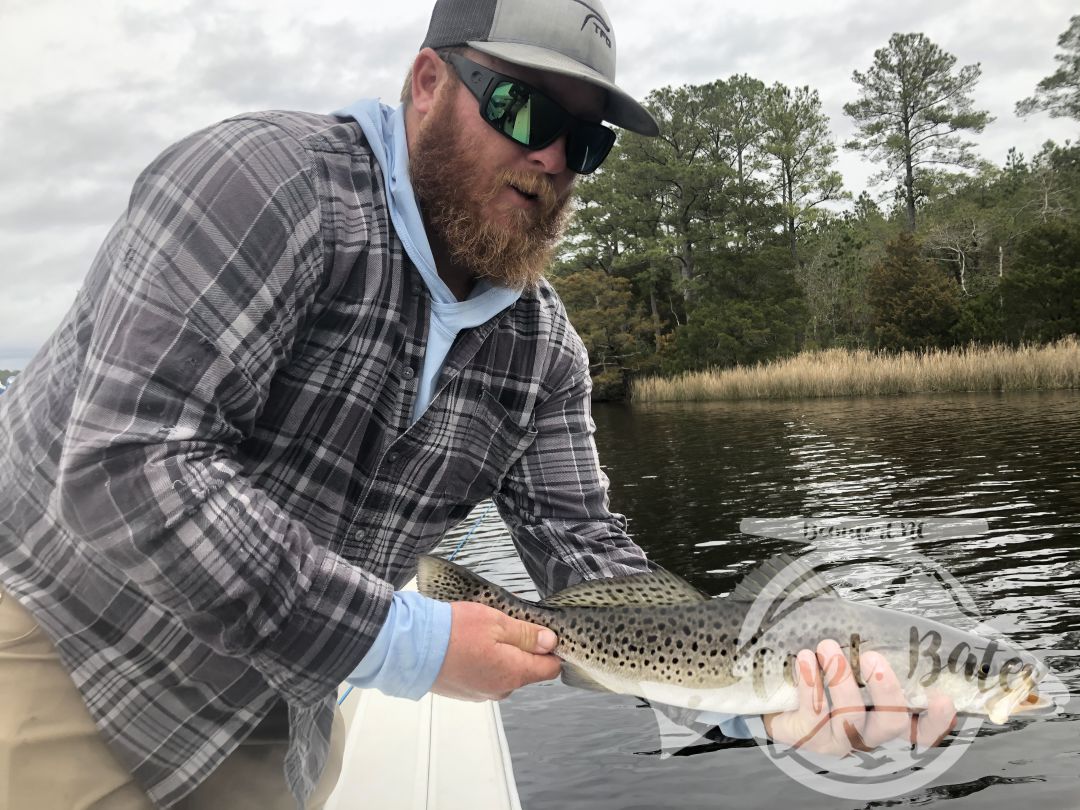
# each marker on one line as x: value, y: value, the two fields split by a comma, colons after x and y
x: 844, y: 372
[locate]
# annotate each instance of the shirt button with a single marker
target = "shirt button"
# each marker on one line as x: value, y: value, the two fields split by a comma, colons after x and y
x: 359, y: 534
x: 392, y: 457
x: 407, y: 373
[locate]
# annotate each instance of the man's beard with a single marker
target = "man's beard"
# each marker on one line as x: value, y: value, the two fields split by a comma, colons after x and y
x: 511, y: 253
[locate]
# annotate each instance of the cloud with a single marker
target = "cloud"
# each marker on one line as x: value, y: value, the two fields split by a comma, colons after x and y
x: 70, y: 152
x: 820, y: 44
x: 32, y: 307
x: 98, y: 89
x: 316, y: 66
x: 68, y: 163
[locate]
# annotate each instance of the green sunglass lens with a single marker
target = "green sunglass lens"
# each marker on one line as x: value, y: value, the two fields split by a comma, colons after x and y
x: 524, y: 115
x: 509, y: 109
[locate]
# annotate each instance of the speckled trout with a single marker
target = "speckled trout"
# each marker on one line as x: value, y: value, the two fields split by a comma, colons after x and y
x: 655, y: 636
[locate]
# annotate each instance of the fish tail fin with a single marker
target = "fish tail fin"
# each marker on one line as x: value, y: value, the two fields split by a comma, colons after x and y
x: 449, y: 582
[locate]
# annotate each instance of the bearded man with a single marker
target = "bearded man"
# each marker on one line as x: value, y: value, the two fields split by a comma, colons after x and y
x: 309, y: 346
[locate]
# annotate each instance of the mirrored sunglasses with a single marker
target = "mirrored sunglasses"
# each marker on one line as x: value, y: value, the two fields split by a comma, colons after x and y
x: 528, y: 117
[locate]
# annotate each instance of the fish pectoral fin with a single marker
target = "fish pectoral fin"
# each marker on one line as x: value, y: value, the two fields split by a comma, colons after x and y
x: 573, y: 675
x: 658, y: 587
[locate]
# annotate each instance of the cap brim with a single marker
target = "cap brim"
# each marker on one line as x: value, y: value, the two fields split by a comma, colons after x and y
x: 621, y: 109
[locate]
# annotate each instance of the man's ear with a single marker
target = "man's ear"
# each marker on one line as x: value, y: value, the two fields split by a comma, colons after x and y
x: 428, y: 75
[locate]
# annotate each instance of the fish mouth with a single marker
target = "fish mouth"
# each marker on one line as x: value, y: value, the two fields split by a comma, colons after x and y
x: 1033, y: 702
x: 1023, y: 697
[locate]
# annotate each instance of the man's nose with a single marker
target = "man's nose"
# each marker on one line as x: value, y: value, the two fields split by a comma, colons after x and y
x: 552, y: 158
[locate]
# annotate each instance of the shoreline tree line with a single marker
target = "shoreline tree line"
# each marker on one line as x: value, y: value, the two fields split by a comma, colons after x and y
x: 719, y: 243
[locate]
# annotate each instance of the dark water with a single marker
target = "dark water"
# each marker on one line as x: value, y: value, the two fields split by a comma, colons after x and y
x: 686, y: 475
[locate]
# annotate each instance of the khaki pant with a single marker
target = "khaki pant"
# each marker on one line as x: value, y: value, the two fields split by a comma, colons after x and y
x: 52, y: 757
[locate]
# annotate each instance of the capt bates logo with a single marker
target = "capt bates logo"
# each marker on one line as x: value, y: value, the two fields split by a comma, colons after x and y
x: 602, y: 29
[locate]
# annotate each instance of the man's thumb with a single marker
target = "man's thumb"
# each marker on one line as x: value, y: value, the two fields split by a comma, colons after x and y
x: 532, y: 638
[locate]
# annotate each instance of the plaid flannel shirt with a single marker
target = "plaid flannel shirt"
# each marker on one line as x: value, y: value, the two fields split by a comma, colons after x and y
x: 210, y: 483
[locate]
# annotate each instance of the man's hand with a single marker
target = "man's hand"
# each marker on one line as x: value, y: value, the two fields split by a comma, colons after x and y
x: 490, y: 655
x: 834, y: 718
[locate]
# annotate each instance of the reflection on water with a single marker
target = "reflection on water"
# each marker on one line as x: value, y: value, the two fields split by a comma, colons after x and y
x: 686, y: 475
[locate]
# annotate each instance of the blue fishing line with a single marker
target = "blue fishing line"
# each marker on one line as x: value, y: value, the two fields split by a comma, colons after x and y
x: 453, y: 554
x: 472, y: 531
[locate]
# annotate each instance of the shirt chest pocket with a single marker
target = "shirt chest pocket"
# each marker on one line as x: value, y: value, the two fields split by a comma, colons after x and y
x: 491, y: 441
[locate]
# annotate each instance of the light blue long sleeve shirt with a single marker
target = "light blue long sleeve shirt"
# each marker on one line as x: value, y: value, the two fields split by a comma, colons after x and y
x: 409, y: 651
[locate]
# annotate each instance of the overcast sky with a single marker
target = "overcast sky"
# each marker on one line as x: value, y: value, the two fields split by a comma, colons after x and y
x: 93, y: 90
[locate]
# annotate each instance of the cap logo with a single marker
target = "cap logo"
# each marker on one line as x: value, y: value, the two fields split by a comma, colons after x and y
x: 603, y: 30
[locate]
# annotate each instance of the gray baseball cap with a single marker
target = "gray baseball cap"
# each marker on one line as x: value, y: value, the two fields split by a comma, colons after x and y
x: 570, y: 37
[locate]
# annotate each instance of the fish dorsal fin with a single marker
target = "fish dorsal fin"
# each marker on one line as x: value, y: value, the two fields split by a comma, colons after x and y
x: 658, y: 587
x: 782, y: 577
